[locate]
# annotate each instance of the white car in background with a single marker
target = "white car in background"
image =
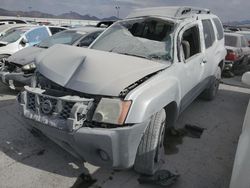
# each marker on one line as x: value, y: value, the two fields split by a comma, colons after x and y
x: 246, y: 34
x: 12, y: 21
x: 18, y: 69
x: 22, y: 37
x: 241, y: 170
x: 8, y: 27
x: 238, y: 53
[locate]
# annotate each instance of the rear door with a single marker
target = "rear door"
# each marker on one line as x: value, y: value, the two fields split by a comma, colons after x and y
x: 210, y: 47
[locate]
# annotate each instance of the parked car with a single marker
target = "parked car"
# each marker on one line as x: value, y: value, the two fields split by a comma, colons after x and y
x: 5, y: 28
x: 241, y: 168
x: 246, y: 34
x: 12, y: 21
x: 18, y: 69
x: 110, y: 104
x: 21, y: 37
x: 105, y: 24
x: 238, y: 53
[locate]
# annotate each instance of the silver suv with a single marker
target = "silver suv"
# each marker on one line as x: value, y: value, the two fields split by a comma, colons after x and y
x: 110, y: 104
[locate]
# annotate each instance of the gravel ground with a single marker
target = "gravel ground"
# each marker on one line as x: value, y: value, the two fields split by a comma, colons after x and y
x: 29, y: 160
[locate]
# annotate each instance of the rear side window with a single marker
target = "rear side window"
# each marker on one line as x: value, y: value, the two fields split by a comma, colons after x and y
x: 231, y: 40
x: 55, y: 30
x: 208, y: 31
x: 219, y: 28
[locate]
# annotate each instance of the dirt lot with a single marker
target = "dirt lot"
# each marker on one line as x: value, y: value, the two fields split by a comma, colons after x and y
x: 29, y: 160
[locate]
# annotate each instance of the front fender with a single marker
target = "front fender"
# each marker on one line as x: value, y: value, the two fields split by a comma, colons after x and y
x: 152, y: 96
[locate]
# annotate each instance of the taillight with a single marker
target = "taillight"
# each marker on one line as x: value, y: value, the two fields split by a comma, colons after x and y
x: 231, y: 56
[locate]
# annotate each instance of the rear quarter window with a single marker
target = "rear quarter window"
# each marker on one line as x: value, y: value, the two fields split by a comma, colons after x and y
x: 208, y: 32
x: 219, y: 28
x: 231, y: 41
x: 55, y: 30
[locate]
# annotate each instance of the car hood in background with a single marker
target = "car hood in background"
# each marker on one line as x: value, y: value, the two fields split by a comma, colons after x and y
x: 92, y: 71
x: 25, y: 56
x: 3, y: 43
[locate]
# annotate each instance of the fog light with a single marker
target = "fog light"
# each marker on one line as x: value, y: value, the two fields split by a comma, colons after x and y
x: 103, y: 154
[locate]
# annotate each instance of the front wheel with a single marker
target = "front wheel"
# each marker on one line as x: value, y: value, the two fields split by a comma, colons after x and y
x: 151, y: 150
x: 211, y: 92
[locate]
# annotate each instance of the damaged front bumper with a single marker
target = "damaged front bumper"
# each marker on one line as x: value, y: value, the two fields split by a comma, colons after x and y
x: 63, y: 119
x: 15, y: 80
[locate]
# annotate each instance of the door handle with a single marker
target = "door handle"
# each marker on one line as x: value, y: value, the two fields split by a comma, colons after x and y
x: 204, y: 61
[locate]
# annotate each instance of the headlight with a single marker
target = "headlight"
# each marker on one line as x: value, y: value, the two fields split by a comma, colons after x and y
x: 30, y: 66
x: 113, y: 111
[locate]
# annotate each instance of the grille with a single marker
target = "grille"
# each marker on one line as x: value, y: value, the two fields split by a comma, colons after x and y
x: 31, y: 103
x: 65, y: 113
x: 12, y: 67
x: 64, y: 110
x: 53, y: 102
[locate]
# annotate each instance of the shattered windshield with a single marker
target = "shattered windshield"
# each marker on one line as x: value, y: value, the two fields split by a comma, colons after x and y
x: 148, y: 38
x: 13, y: 35
x: 65, y: 37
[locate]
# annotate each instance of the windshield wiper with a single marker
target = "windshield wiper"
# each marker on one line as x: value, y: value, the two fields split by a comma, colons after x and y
x: 45, y: 47
x: 160, y: 57
x: 135, y: 55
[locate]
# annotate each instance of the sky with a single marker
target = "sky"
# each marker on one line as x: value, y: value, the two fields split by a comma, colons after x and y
x: 227, y: 10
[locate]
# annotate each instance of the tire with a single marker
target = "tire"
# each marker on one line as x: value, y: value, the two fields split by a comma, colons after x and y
x: 211, y: 92
x: 151, y: 149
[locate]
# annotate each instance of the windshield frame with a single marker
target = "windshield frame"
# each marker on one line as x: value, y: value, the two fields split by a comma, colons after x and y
x: 121, y: 23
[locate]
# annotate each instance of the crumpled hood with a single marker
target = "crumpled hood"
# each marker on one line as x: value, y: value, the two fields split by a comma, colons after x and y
x: 25, y: 56
x: 92, y: 71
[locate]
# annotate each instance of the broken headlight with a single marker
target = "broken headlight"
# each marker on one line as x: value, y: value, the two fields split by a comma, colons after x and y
x: 29, y: 67
x: 112, y: 111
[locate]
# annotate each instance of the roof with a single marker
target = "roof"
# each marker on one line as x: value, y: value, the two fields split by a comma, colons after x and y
x: 88, y: 29
x: 9, y: 26
x: 170, y: 11
x: 28, y: 27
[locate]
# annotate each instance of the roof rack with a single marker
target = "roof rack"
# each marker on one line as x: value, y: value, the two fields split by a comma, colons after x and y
x: 191, y: 10
x: 171, y: 11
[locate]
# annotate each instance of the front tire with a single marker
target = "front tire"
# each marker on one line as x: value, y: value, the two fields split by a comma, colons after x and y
x: 211, y: 92
x: 151, y: 149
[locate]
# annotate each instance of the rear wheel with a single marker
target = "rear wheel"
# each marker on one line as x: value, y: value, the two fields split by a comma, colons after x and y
x: 211, y: 92
x: 150, y: 152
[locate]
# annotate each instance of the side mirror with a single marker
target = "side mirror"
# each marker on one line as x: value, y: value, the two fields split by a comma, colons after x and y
x: 246, y: 78
x: 186, y: 48
x: 24, y: 41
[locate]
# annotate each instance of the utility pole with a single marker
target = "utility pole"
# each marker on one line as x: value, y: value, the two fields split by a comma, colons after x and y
x: 118, y: 11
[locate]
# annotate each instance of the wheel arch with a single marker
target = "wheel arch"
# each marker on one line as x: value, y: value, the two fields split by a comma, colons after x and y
x: 221, y: 64
x: 151, y: 98
x: 172, y: 112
